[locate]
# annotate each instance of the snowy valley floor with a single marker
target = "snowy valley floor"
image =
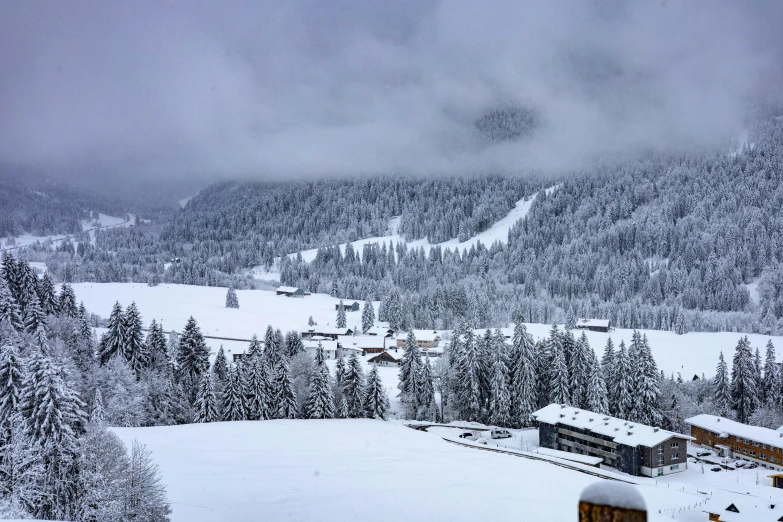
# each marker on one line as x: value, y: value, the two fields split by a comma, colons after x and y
x: 338, y: 470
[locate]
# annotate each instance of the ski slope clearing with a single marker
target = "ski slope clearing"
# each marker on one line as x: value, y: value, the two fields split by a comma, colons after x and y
x: 337, y: 470
x: 497, y: 232
x: 694, y: 353
x: 102, y: 222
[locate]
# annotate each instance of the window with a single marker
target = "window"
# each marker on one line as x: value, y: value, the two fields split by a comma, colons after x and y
x: 660, y: 449
x: 738, y: 448
x: 660, y: 461
x: 755, y: 444
x: 763, y: 446
x: 709, y: 442
x: 660, y: 472
x: 675, y: 456
x: 675, y: 444
x: 762, y: 456
x: 744, y: 450
x: 753, y: 453
x: 674, y: 466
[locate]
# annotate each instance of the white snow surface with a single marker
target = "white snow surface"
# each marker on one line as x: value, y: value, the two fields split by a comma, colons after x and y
x: 615, y: 494
x: 360, y: 469
x: 695, y: 353
x: 497, y: 232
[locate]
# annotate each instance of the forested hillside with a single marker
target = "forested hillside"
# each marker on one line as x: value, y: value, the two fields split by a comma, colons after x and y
x: 663, y: 240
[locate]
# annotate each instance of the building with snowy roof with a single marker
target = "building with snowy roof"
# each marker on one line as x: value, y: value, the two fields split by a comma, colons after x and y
x: 594, y: 325
x: 327, y: 331
x: 729, y: 506
x: 425, y: 338
x: 290, y: 291
x: 387, y: 358
x: 364, y: 343
x: 329, y: 347
x: 736, y: 440
x: 349, y: 306
x: 630, y: 447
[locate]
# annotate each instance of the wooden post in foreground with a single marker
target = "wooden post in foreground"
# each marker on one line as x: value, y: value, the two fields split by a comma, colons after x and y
x: 609, y: 501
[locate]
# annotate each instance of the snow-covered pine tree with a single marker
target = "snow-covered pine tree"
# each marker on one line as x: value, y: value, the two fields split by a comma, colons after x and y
x: 233, y: 403
x: 597, y: 399
x: 333, y: 292
x: 134, y: 348
x: 623, y: 386
x: 320, y: 403
x: 523, y: 392
x: 558, y: 375
x: 103, y: 474
x: 232, y: 301
x: 680, y: 323
x: 284, y: 388
x: 426, y: 400
x: 721, y: 388
x: 570, y: 323
x: 206, y: 403
x: 258, y: 390
x: 647, y: 400
x: 394, y: 310
x: 608, y: 363
x: 310, y: 321
x: 51, y: 408
x: 9, y: 309
x: 352, y: 386
x: 34, y: 316
x: 220, y: 366
x: 744, y: 394
x: 341, y: 319
x: 376, y: 403
x: 368, y: 316
x: 339, y: 370
x: 294, y: 344
x: 410, y: 370
x: 157, y: 350
x: 192, y: 356
x: 46, y: 295
x: 770, y: 386
x: 579, y: 371
x: 97, y: 411
x: 67, y: 304
x: 255, y: 348
x: 757, y: 374
x: 342, y: 408
x: 113, y: 341
x: 11, y: 382
x: 500, y: 399
x: 22, y: 471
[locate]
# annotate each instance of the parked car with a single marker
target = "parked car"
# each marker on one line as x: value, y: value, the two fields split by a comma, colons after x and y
x: 465, y: 435
x: 741, y: 463
x: 703, y: 453
x: 716, y: 468
x: 753, y: 465
x: 499, y: 433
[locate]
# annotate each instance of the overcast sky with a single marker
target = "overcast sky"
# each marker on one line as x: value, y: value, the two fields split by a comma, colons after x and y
x: 276, y: 89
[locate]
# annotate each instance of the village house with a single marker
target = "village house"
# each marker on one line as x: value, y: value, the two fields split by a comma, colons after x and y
x: 594, y: 325
x: 329, y: 347
x: 327, y: 332
x: 736, y: 440
x: 290, y: 291
x: 730, y: 506
x: 349, y: 306
x: 387, y: 358
x: 365, y: 344
x: 627, y: 446
x: 381, y: 329
x: 424, y: 338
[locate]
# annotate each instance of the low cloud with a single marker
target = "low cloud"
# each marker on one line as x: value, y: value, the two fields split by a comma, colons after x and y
x: 305, y: 88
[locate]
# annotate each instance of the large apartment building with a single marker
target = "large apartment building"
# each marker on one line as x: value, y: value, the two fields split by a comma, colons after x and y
x: 736, y: 440
x: 627, y: 446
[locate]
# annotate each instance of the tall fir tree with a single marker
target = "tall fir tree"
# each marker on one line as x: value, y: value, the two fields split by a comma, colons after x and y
x: 744, y: 394
x: 623, y: 387
x: 320, y: 403
x: 721, y: 388
x: 341, y: 318
x: 368, y: 316
x: 233, y: 403
x: 410, y: 376
x: 47, y: 296
x: 206, y: 402
x: 258, y: 392
x: 429, y: 410
x: 134, y: 347
x: 579, y: 371
x: 232, y: 301
x: 220, y: 366
x: 11, y: 382
x: 770, y: 386
x: 524, y: 386
x: 646, y: 399
x: 113, y: 341
x: 376, y: 403
x: 157, y: 350
x: 10, y: 313
x: 559, y: 391
x: 285, y: 392
x: 255, y: 347
x: 352, y: 386
x: 608, y: 362
x: 192, y: 355
x: 597, y: 397
x: 67, y: 304
x: 500, y: 399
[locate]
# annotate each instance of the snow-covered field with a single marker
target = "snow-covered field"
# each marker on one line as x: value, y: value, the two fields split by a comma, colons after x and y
x: 695, y: 353
x: 336, y: 470
x: 101, y: 222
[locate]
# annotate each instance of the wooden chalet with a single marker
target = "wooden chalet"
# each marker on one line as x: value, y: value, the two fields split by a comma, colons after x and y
x: 386, y: 358
x: 594, y: 325
x: 290, y: 291
x: 349, y: 306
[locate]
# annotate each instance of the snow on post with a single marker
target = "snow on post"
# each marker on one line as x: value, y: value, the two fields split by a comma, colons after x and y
x: 613, y: 501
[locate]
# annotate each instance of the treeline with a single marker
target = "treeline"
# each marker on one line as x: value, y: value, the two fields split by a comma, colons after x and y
x: 58, y: 461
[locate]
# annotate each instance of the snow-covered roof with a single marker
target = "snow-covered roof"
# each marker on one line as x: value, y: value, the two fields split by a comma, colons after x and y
x: 395, y: 356
x: 379, y: 330
x: 326, y: 330
x: 576, y: 457
x: 599, y: 323
x: 363, y: 341
x: 287, y: 289
x: 726, y: 426
x: 744, y: 508
x: 618, y: 430
x: 421, y: 335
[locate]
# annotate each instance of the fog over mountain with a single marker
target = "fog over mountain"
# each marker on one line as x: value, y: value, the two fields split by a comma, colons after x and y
x: 275, y: 90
